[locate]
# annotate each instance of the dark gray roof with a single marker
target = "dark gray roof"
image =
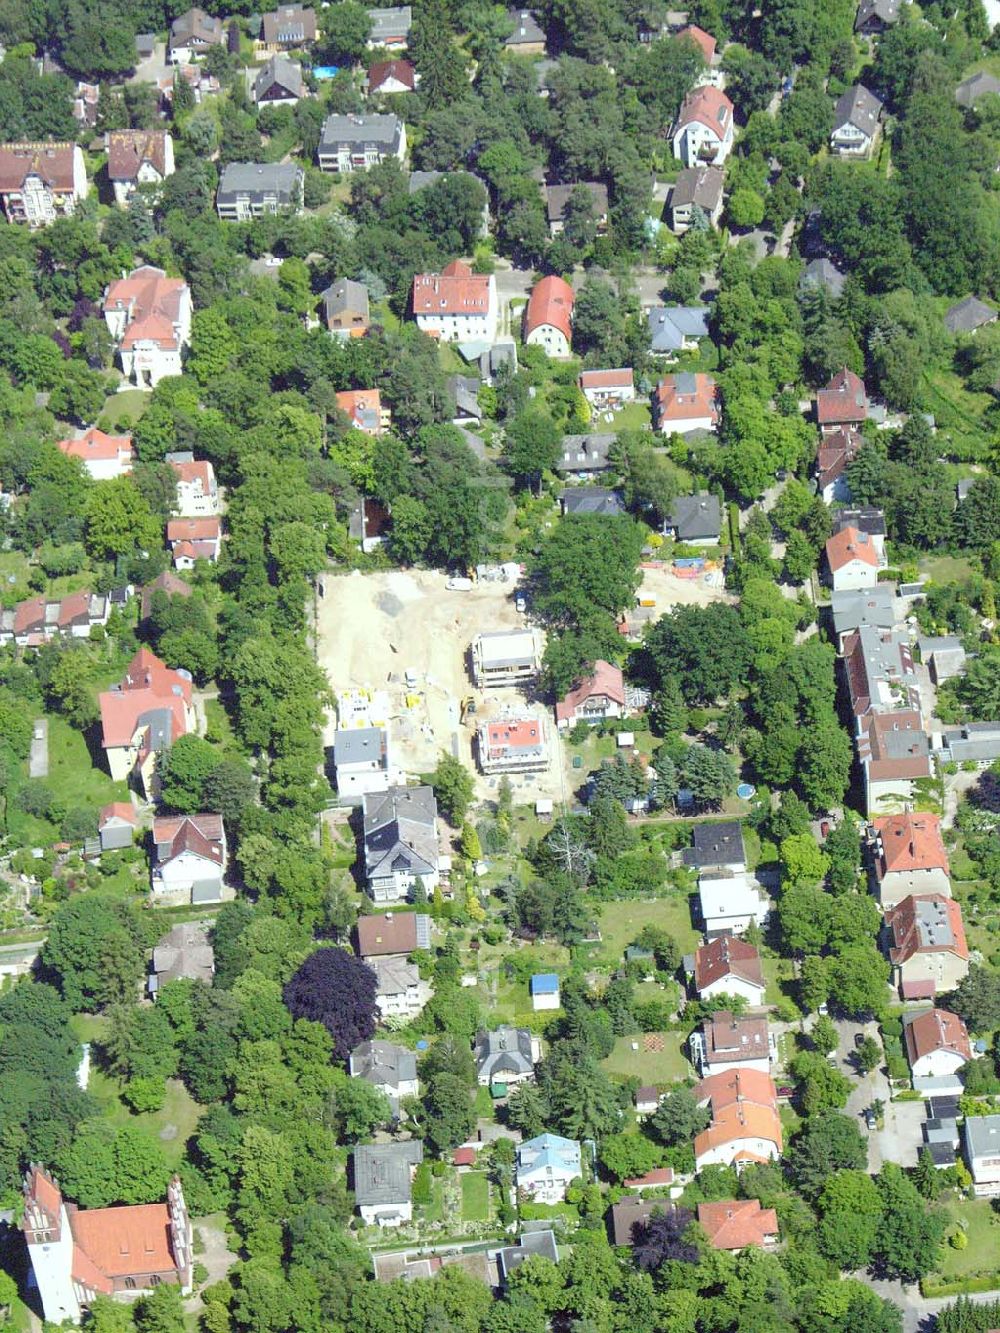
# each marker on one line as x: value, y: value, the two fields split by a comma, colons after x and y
x: 264, y: 180
x: 345, y: 297
x: 370, y: 132
x: 502, y: 353
x: 281, y: 70
x: 872, y: 606
x: 184, y: 952
x: 383, y: 1063
x: 968, y: 315
x: 592, y: 500
x: 886, y: 11
x: 982, y: 1134
x: 698, y: 185
x: 526, y: 30
x: 865, y: 518
x: 696, y: 517
x: 145, y: 44
x: 857, y: 107
x: 355, y: 745
x: 670, y: 325
x: 388, y: 23
x: 400, y: 830
x: 823, y: 273
x: 977, y: 85
x: 464, y: 390
x: 716, y: 845
x: 585, y: 453
x: 557, y: 197
x: 382, y: 1172
x: 160, y: 722
x: 542, y: 1243
x: 504, y: 1050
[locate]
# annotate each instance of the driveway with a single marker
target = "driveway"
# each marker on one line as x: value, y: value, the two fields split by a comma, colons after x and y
x: 867, y: 1087
x: 38, y: 759
x: 918, y: 1313
x: 901, y: 1139
x: 155, y: 68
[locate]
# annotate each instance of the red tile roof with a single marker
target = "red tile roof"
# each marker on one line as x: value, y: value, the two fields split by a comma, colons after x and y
x: 201, y: 835
x: 354, y: 402
x: 850, y: 544
x: 707, y: 106
x: 733, y: 1224
x: 387, y: 933
x: 736, y: 1086
x: 607, y: 379
x: 661, y: 1175
x: 53, y: 162
x: 926, y: 923
x: 456, y: 290
x: 727, y: 956
x: 153, y: 303
x: 843, y: 401
x: 124, y: 1242
x: 740, y: 1120
x: 194, y: 530
x: 514, y: 734
x: 937, y: 1030
x: 909, y: 842
x: 551, y: 302
x: 147, y: 685
x: 837, y: 450
x: 729, y: 1039
x: 605, y: 680
x: 118, y: 810
x: 94, y: 444
x: 702, y: 39
x: 128, y: 149
x: 199, y: 469
x: 384, y: 70
x: 464, y: 1157
x: 671, y: 404
x: 168, y: 583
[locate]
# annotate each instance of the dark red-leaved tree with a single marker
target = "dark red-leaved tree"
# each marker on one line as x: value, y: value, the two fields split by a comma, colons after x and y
x: 662, y: 1239
x: 336, y: 989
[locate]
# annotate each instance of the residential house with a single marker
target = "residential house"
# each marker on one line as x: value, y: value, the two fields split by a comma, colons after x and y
x: 937, y: 1046
x: 363, y: 409
x: 250, y: 190
x: 661, y: 1177
x: 927, y: 945
x: 894, y: 752
x: 31, y: 623
x: 593, y: 698
x: 729, y: 966
x: 879, y: 669
x: 390, y: 1068
x: 456, y: 305
x: 169, y: 584
x: 546, y: 1166
x: 685, y: 402
x: 674, y: 329
x: 463, y: 391
x: 512, y: 745
x: 852, y: 560
x: 78, y: 1254
x: 390, y: 934
x: 506, y: 657
x: 697, y: 191
x: 745, y: 1124
x: 137, y: 157
x: 908, y: 857
x: 592, y: 500
x: 836, y: 451
x: 505, y: 1055
x: 191, y: 35
x: 355, y: 143
x: 400, y: 844
x: 696, y: 520
x: 867, y: 519
x: 874, y: 608
x: 738, y: 1224
x: 583, y: 455
x: 703, y: 40
x: 288, y: 28
x: 383, y: 1178
x: 40, y: 182
x: 390, y: 28
x: 729, y: 901
x: 197, y: 490
x: 418, y: 181
x: 982, y: 1153
x: 189, y: 858
x: 716, y: 846
x: 944, y: 655
x: 391, y: 76
x: 726, y: 1043
x: 855, y: 122
x: 557, y: 198
x: 631, y: 1215
x: 703, y: 131
x: 399, y: 991
x: 116, y: 825
x: 969, y: 315
x: 544, y: 988
x: 970, y: 90
x: 279, y: 82
x: 974, y: 742
x: 824, y: 275
x: 527, y: 37
x: 843, y: 402
x: 647, y: 1100
x: 142, y: 716
x: 604, y: 389
x: 362, y: 764
x: 149, y: 316
x: 548, y: 316
x: 184, y: 953
x: 104, y: 456
x: 345, y: 308
x: 85, y: 100
x: 194, y: 539
x: 874, y: 16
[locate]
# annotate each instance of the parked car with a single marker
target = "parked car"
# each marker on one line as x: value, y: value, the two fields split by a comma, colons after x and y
x: 870, y: 1121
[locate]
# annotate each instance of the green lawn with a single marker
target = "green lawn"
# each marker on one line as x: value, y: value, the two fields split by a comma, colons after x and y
x: 122, y: 410
x: 475, y: 1196
x: 779, y: 973
x: 178, y: 1117
x: 633, y: 416
x: 649, y: 1066
x: 14, y: 571
x: 75, y: 781
x: 982, y: 1226
x: 621, y: 922
x: 946, y: 568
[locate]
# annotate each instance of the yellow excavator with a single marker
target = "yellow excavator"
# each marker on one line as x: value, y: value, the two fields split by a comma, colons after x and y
x: 468, y: 708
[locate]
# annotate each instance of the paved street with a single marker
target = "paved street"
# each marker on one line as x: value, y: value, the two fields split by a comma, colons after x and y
x: 918, y: 1313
